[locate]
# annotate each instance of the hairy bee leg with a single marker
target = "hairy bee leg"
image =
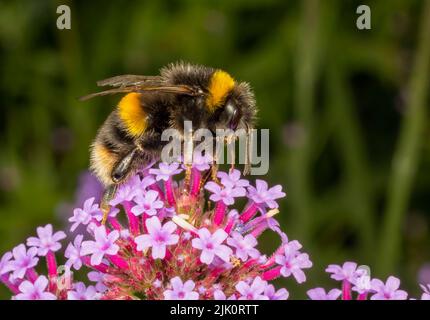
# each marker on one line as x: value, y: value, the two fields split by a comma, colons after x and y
x: 123, y: 167
x: 214, y: 172
x: 118, y: 174
x: 108, y: 195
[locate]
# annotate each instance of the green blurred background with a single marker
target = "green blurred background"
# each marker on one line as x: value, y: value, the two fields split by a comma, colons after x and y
x: 347, y: 109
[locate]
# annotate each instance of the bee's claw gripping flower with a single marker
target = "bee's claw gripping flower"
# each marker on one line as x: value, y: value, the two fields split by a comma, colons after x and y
x: 162, y: 242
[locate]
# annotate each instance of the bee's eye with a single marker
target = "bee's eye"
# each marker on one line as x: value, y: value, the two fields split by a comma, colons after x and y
x: 233, y: 115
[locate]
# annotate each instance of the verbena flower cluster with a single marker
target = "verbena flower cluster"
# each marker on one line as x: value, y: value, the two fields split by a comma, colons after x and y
x: 169, y: 237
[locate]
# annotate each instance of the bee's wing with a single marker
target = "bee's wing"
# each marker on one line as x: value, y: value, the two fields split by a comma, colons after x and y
x: 159, y: 87
x: 128, y: 80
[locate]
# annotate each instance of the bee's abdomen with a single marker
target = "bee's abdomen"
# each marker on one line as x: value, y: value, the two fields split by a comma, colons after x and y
x: 102, y: 162
x: 111, y: 144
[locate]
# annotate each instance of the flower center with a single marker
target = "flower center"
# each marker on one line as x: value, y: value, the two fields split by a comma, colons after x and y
x: 160, y: 238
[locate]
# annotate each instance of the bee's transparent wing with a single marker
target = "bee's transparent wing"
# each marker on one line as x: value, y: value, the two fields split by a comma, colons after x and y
x: 176, y: 89
x: 137, y: 83
x: 126, y: 80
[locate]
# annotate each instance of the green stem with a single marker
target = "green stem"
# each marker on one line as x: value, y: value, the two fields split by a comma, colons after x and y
x: 350, y: 142
x: 407, y: 154
x: 305, y: 75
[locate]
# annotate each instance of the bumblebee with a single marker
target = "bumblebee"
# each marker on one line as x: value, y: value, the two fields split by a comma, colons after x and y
x: 130, y: 138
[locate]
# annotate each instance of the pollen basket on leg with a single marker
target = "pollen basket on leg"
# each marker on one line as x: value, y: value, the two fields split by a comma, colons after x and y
x: 220, y: 85
x: 132, y: 114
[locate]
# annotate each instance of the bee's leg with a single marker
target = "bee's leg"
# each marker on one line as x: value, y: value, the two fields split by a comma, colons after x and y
x: 119, y: 173
x: 214, y: 172
x: 214, y: 167
x: 248, y: 152
x: 233, y: 158
x: 188, y: 169
x: 108, y: 195
x: 123, y: 167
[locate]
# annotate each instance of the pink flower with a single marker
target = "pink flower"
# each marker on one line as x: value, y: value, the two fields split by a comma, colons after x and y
x: 158, y: 237
x: 5, y: 263
x: 98, y: 215
x: 211, y: 245
x: 388, y: 290
x: 293, y: 261
x: 98, y: 278
x: 180, y: 290
x: 226, y: 194
x: 202, y: 162
x: 35, y: 291
x: 80, y: 292
x: 73, y: 253
x: 84, y: 215
x: 104, y: 244
x: 23, y: 260
x: 165, y: 171
x: 272, y: 294
x: 255, y: 291
x: 347, y: 272
x: 232, y: 179
x: 261, y: 194
x: 147, y: 203
x: 131, y: 189
x: 320, y: 294
x: 362, y: 284
x: 426, y: 292
x: 220, y: 295
x: 244, y: 245
x: 46, y: 241
x: 141, y: 185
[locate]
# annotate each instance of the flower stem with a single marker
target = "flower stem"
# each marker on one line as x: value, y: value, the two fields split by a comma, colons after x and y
x: 196, y: 177
x: 220, y: 209
x: 272, y: 273
x: 157, y: 188
x: 230, y: 224
x: 362, y: 296
x: 32, y: 275
x: 115, y: 223
x: 132, y: 219
x: 249, y: 212
x: 169, y: 192
x: 346, y: 290
x: 119, y: 262
x: 52, y: 270
x: 5, y: 280
x: 259, y: 230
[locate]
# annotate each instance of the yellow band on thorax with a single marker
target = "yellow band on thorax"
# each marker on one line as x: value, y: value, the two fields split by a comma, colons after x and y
x: 132, y: 114
x: 220, y: 85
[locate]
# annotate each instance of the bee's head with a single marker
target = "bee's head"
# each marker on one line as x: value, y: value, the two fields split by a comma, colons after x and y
x: 231, y: 104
